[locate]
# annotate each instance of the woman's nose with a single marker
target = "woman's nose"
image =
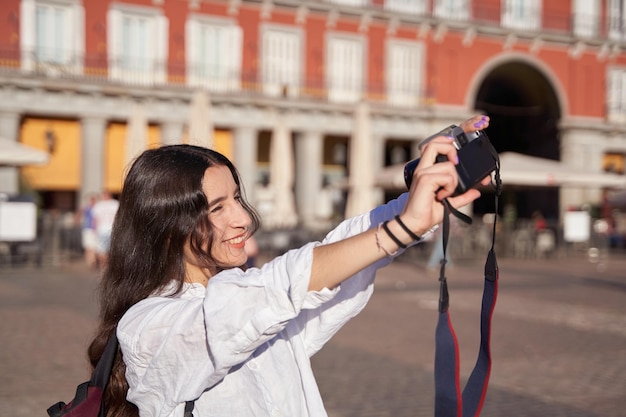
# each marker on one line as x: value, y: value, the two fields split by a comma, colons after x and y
x: 241, y: 218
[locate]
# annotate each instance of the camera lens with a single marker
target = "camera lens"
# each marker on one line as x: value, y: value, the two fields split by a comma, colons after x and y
x: 409, y: 169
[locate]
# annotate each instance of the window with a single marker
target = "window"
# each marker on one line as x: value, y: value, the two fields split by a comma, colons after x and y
x: 616, y: 95
x: 407, y: 6
x: 451, y: 9
x: 213, y: 54
x: 137, y: 45
x: 521, y: 14
x: 345, y: 69
x: 617, y: 19
x: 586, y: 17
x: 614, y: 162
x: 52, y: 36
x: 281, y: 67
x: 350, y: 2
x: 404, y: 73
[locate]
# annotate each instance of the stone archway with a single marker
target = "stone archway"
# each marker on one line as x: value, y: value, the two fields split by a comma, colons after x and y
x: 525, y: 112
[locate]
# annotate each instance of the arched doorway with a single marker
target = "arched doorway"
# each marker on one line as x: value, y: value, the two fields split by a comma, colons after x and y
x: 525, y: 113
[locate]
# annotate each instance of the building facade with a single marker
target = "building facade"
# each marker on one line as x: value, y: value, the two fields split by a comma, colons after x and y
x: 550, y: 74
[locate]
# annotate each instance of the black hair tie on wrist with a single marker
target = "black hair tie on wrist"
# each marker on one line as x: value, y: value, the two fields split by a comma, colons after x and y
x: 392, y: 236
x: 406, y: 229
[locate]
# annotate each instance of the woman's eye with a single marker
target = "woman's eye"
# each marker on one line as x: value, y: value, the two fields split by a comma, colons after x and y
x: 215, y: 209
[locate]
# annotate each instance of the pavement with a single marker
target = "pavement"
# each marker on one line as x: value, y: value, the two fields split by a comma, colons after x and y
x: 558, y: 339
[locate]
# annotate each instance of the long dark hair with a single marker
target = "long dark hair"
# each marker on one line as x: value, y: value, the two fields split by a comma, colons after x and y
x: 162, y: 207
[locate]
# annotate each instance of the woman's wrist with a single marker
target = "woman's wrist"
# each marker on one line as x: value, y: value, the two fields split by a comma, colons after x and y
x: 399, y: 235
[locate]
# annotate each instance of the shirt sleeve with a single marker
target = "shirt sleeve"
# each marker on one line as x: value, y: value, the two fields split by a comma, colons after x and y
x: 177, y: 347
x: 316, y: 326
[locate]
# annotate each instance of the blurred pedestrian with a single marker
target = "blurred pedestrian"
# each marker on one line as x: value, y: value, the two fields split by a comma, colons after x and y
x: 89, y: 239
x: 104, y: 211
x: 539, y: 222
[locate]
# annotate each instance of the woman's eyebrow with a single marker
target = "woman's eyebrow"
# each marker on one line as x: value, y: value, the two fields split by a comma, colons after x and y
x: 216, y: 201
x: 220, y: 199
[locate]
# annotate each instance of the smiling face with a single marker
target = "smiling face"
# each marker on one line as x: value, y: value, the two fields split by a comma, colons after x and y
x: 229, y: 219
x: 228, y: 216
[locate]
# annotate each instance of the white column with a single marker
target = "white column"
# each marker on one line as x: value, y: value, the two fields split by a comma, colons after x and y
x: 9, y: 129
x: 172, y: 132
x: 580, y: 150
x: 93, y: 156
x: 245, y: 157
x: 377, y: 165
x: 309, y: 148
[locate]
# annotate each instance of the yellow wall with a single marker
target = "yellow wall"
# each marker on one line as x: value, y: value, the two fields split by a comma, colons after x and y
x: 62, y: 172
x: 115, y: 144
x: 223, y: 143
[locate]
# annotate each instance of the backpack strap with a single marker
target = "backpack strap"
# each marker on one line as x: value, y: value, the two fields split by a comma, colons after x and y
x: 102, y: 371
x: 189, y: 405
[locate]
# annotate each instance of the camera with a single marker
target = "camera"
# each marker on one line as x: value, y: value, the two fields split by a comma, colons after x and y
x: 477, y: 157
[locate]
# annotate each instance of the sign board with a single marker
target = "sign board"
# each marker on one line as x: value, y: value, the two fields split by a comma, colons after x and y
x: 576, y: 226
x: 18, y: 221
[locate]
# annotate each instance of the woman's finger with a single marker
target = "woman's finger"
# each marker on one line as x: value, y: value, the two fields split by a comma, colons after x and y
x: 465, y: 198
x: 478, y: 122
x: 440, y: 146
x: 486, y: 180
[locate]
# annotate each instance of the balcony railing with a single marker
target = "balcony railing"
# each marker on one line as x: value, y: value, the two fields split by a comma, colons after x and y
x: 545, y: 22
x: 98, y: 69
x: 147, y: 73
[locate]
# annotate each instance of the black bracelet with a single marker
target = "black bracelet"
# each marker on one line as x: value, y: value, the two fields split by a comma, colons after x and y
x: 406, y: 229
x: 392, y: 236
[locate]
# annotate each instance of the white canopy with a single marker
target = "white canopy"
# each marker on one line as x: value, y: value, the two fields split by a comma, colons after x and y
x: 519, y: 169
x: 14, y: 154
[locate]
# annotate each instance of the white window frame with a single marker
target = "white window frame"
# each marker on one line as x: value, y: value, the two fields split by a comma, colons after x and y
x: 407, y: 6
x: 216, y: 68
x: 346, y: 69
x: 616, y: 94
x: 522, y: 14
x: 616, y: 19
x: 404, y: 72
x: 149, y: 65
x: 34, y: 56
x: 586, y: 18
x: 353, y: 3
x: 452, y: 9
x: 281, y: 60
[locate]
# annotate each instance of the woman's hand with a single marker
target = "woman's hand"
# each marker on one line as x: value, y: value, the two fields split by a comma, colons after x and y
x: 433, y: 182
x: 478, y: 122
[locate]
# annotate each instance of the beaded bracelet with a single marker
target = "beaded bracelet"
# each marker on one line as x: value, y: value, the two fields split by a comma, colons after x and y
x: 380, y: 245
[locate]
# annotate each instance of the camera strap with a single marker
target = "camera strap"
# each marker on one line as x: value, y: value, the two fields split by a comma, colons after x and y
x: 449, y: 400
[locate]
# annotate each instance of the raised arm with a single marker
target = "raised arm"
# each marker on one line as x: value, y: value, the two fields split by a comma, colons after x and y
x: 432, y: 182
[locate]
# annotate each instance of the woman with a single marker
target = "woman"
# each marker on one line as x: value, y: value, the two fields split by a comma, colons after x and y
x: 193, y: 324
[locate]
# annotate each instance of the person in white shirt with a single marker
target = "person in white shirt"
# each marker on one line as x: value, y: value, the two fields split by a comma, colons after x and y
x: 194, y: 324
x: 103, y: 213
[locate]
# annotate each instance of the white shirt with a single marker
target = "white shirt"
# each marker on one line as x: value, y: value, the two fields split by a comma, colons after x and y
x: 103, y: 213
x: 241, y: 346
